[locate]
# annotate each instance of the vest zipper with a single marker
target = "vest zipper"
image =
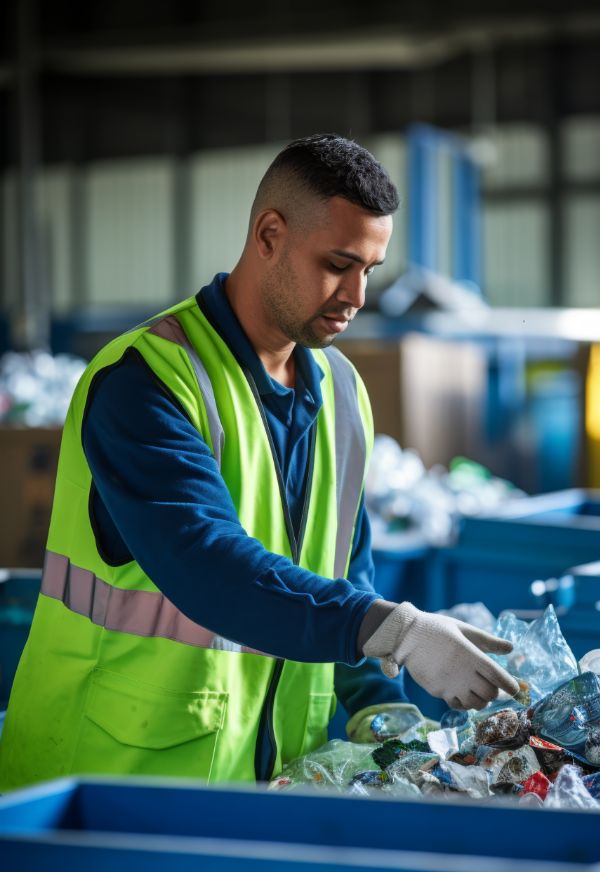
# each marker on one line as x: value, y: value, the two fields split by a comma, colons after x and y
x: 266, y: 717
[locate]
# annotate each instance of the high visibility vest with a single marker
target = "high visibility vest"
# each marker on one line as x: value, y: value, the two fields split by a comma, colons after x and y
x: 113, y: 678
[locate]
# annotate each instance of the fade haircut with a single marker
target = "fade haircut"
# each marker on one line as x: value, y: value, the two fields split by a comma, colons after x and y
x: 319, y: 167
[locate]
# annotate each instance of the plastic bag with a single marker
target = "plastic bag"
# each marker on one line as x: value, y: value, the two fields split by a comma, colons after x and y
x: 569, y: 791
x: 472, y: 780
x: 540, y: 656
x: 334, y: 764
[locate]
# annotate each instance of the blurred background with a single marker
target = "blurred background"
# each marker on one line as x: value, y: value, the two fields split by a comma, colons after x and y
x: 133, y: 138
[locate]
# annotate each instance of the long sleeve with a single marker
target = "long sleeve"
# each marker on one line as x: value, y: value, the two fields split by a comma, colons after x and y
x: 162, y: 501
x: 365, y: 684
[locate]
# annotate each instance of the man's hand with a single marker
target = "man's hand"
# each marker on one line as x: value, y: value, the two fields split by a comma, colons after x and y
x: 443, y: 655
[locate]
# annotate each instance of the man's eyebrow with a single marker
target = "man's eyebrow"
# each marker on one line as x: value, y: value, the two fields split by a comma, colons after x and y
x: 351, y: 256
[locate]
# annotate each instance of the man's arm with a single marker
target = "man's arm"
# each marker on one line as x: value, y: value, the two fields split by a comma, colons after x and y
x: 161, y: 486
x: 365, y: 685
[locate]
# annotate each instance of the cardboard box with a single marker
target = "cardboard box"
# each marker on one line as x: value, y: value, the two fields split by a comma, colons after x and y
x: 28, y: 463
x: 426, y: 393
x: 379, y: 364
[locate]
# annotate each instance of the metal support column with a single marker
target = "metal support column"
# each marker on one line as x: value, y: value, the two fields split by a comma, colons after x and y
x: 30, y: 327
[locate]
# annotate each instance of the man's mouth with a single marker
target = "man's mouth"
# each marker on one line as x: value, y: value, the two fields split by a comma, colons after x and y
x: 335, y: 323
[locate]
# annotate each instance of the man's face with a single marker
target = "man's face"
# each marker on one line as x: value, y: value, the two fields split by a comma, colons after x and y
x: 318, y: 283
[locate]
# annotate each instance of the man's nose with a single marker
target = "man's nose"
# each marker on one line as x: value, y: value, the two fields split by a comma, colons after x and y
x: 352, y: 289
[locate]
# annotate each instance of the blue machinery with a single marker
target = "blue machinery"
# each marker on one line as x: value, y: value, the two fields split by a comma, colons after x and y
x: 427, y: 146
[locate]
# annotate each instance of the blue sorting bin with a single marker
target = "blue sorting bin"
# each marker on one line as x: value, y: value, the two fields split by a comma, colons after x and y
x: 19, y: 589
x: 399, y: 560
x: 580, y: 618
x: 143, y: 824
x: 497, y: 558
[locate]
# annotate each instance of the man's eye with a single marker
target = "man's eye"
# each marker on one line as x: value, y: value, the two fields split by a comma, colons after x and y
x: 338, y: 269
x: 369, y: 270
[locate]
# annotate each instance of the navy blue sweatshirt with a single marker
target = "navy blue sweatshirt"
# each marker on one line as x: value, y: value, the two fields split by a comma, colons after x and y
x: 160, y: 499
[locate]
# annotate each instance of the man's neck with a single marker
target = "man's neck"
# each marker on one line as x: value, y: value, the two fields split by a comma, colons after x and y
x: 276, y: 353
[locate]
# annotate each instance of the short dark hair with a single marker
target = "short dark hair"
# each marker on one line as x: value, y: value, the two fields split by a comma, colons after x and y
x: 332, y: 166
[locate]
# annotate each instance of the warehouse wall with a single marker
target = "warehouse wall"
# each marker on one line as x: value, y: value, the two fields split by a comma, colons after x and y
x: 143, y: 232
x: 111, y: 230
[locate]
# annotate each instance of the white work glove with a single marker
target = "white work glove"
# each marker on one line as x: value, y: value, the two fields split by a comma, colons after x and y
x: 443, y: 655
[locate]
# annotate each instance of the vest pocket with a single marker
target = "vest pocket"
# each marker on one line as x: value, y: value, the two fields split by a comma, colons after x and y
x: 132, y: 727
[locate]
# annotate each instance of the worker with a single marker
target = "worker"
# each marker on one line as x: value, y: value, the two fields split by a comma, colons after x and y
x: 208, y: 583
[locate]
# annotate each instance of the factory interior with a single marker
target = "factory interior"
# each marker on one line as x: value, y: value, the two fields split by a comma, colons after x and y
x: 300, y: 435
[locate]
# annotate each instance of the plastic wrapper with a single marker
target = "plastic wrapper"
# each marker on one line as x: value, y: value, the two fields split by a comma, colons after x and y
x: 552, y: 757
x: 334, y: 765
x: 592, y: 784
x: 444, y: 743
x: 592, y: 745
x: 36, y: 388
x: 505, y: 728
x: 570, y: 715
x: 411, y: 765
x: 569, y: 791
x: 540, y: 657
x: 537, y: 783
x: 513, y: 765
x: 393, y: 749
x: 472, y: 780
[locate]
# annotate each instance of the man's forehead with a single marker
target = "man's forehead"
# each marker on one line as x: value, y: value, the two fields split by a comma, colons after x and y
x: 344, y: 226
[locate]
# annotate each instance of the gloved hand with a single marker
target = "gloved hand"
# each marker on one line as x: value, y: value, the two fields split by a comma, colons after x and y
x: 443, y: 655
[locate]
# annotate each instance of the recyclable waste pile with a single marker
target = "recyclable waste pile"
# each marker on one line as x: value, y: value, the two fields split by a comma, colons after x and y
x: 36, y: 388
x: 541, y: 748
x: 402, y: 494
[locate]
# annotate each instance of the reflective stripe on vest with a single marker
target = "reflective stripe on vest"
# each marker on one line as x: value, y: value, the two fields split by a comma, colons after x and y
x: 137, y: 612
x: 350, y: 454
x: 170, y: 328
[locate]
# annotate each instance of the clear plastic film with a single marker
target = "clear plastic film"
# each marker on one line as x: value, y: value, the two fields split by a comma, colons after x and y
x: 541, y: 656
x: 335, y: 764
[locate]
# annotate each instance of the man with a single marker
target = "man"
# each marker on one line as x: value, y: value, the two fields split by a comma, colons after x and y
x: 209, y: 552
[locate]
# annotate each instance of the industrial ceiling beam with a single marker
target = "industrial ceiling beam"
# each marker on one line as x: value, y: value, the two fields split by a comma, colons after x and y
x: 389, y: 48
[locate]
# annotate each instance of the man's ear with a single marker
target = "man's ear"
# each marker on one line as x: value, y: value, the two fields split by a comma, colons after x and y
x: 269, y: 232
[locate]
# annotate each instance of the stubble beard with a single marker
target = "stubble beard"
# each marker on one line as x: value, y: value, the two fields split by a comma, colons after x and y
x: 279, y: 291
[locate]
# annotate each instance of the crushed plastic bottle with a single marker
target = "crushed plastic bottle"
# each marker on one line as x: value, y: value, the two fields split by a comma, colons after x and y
x: 570, y: 714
